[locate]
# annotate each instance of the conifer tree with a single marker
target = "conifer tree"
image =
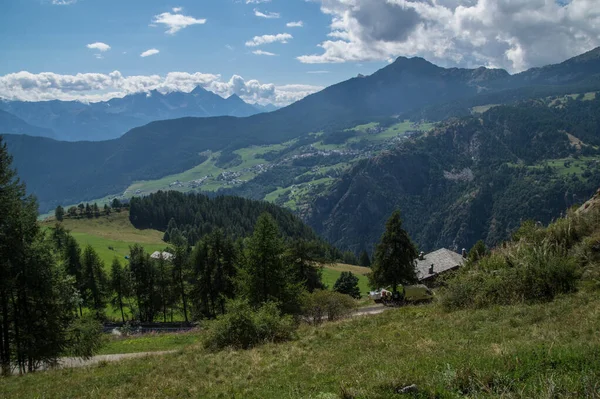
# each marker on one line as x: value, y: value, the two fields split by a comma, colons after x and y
x: 34, y: 308
x: 364, y: 259
x: 59, y: 213
x: 119, y: 285
x: 95, y: 281
x: 347, y: 284
x: 395, y: 256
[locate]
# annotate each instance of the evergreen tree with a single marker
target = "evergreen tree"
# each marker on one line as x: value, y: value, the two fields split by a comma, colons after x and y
x: 59, y: 213
x: 347, y: 284
x: 265, y: 276
x: 364, y: 259
x: 95, y: 281
x: 116, y: 204
x: 143, y: 277
x: 72, y: 212
x: 88, y: 211
x: 181, y: 264
x: 214, y: 269
x: 394, y: 261
x: 119, y: 285
x: 305, y: 259
x: 73, y: 268
x: 349, y: 258
x: 164, y: 285
x: 34, y: 308
x: 106, y: 210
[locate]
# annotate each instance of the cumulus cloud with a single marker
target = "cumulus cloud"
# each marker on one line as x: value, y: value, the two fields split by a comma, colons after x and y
x: 149, y: 52
x: 261, y: 52
x: 267, y: 39
x: 268, y: 15
x: 257, y: 1
x: 295, y: 24
x: 512, y: 34
x: 99, y: 46
x: 91, y: 87
x: 177, y: 21
x: 63, y: 2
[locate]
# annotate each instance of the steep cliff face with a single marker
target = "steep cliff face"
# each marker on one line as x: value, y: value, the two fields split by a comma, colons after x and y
x: 469, y: 179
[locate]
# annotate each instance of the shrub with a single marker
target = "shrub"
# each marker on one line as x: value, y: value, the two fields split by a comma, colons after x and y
x: 84, y: 336
x: 347, y: 284
x: 321, y: 305
x: 243, y: 327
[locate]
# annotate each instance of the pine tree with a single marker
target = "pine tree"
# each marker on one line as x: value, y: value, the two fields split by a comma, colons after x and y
x: 59, y: 213
x: 181, y: 263
x: 364, y: 259
x: 34, y: 310
x: 347, y: 284
x: 394, y: 262
x: 95, y: 281
x: 305, y: 259
x: 119, y: 285
x: 143, y: 277
x: 73, y: 268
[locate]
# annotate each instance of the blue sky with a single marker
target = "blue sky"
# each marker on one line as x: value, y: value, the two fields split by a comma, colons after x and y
x: 337, y: 40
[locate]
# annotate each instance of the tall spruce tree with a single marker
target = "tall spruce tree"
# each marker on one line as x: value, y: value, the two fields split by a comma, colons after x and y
x: 181, y: 264
x: 364, y: 259
x: 143, y: 278
x: 394, y: 261
x: 265, y: 275
x: 34, y: 309
x: 305, y: 259
x: 59, y: 213
x: 119, y: 286
x: 95, y: 281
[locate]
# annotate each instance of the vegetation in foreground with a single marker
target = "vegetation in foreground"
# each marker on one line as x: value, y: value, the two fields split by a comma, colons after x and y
x: 517, y: 351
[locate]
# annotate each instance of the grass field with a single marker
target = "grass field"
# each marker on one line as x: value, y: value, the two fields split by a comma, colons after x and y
x: 525, y: 351
x: 149, y: 342
x: 114, y: 231
x: 332, y: 272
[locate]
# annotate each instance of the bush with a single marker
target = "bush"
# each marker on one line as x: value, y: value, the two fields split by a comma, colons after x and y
x: 522, y: 273
x: 84, y: 336
x: 243, y: 327
x: 347, y: 284
x: 321, y: 305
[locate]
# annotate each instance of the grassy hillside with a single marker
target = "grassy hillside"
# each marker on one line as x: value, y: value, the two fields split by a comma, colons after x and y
x: 111, y: 235
x: 544, y: 350
x: 332, y: 272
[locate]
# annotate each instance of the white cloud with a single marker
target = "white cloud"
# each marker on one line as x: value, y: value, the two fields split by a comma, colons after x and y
x: 63, y: 2
x: 317, y: 72
x: 513, y: 34
x: 176, y: 22
x: 257, y: 1
x: 150, y: 52
x: 99, y: 46
x: 91, y: 87
x: 267, y: 39
x: 295, y: 24
x: 261, y: 52
x: 268, y: 15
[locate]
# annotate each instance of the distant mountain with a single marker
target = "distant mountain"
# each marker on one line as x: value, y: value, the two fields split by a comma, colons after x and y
x: 470, y: 179
x: 57, y: 171
x: 76, y: 121
x: 9, y: 123
x: 266, y: 107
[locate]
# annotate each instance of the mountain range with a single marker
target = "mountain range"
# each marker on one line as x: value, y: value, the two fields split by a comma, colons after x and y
x: 77, y: 121
x: 59, y: 172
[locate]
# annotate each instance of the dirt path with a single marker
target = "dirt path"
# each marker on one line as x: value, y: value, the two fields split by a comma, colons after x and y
x: 370, y: 310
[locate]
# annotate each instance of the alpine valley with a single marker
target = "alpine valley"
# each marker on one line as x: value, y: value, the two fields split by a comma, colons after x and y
x: 464, y: 154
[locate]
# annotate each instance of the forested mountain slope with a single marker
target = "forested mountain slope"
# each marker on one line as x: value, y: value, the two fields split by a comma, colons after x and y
x: 470, y: 179
x: 59, y: 172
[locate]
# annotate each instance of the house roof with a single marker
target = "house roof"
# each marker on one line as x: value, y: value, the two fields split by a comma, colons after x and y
x: 442, y: 261
x: 164, y: 255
